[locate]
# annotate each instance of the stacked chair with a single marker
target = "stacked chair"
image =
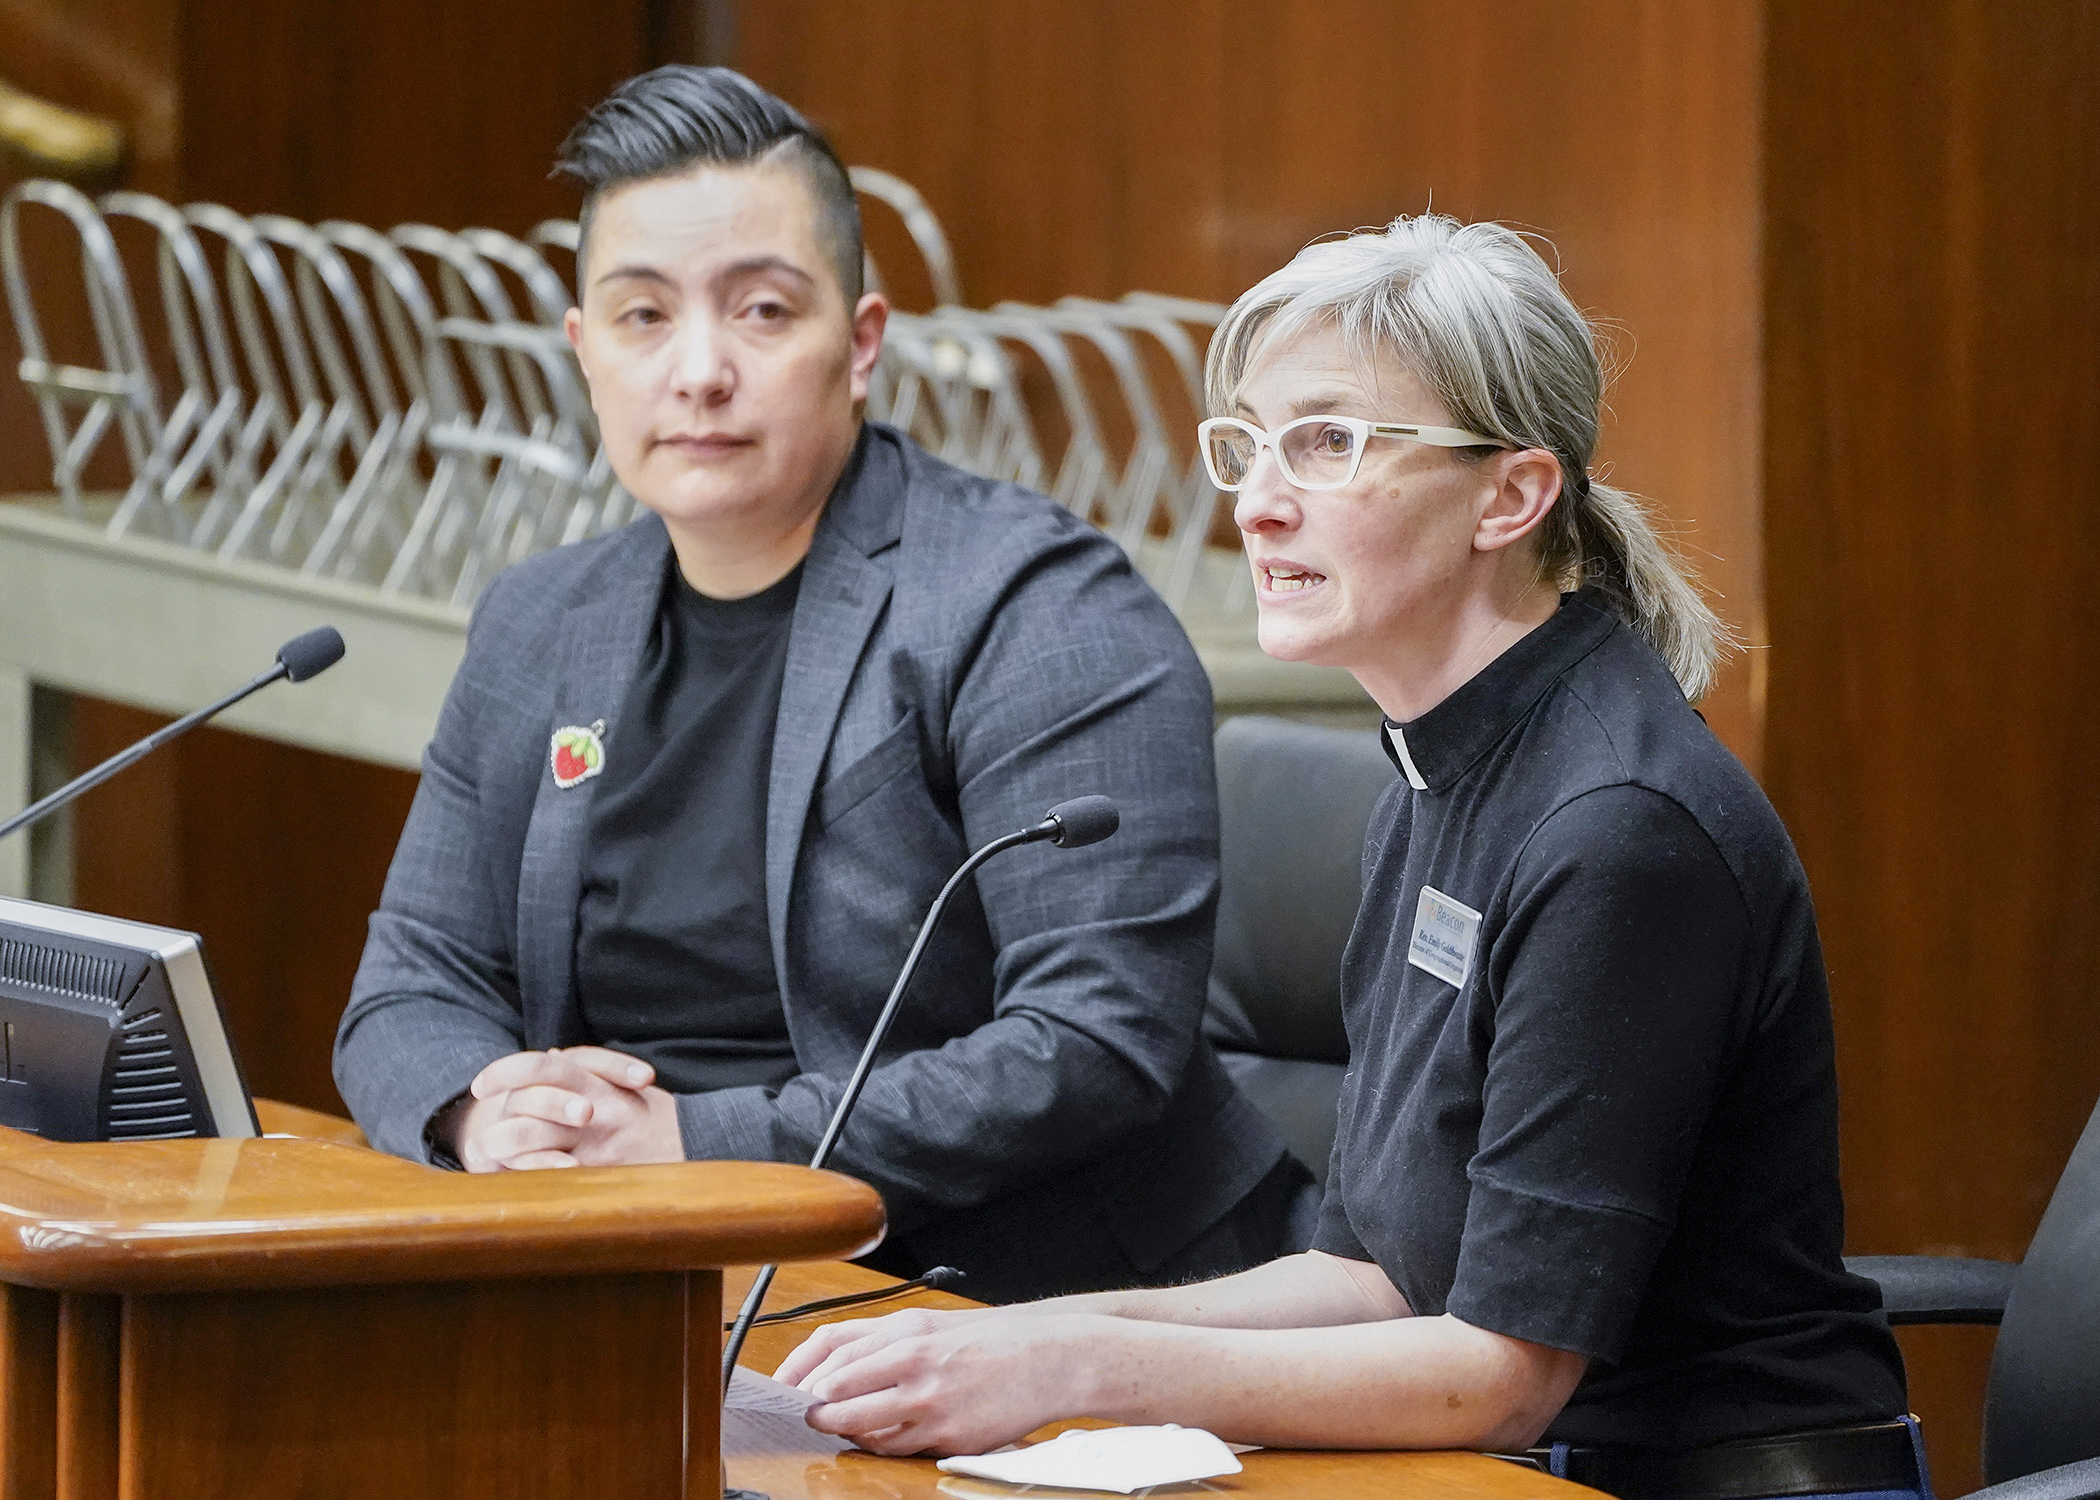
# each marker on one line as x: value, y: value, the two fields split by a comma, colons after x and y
x: 400, y: 409
x: 1293, y: 803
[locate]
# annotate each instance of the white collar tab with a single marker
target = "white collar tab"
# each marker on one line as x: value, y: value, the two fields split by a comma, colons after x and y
x: 1400, y: 753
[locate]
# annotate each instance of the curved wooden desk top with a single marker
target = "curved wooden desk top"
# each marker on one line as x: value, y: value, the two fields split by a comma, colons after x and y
x: 168, y: 1216
x: 1269, y: 1472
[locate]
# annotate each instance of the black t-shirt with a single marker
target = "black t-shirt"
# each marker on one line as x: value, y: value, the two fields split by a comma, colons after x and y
x: 1592, y: 1100
x: 674, y: 963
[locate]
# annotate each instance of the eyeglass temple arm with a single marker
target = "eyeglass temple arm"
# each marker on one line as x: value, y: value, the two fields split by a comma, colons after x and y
x: 1447, y: 437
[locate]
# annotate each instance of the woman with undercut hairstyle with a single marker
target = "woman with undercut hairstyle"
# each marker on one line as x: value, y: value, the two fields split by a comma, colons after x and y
x: 697, y: 781
x: 1583, y: 1206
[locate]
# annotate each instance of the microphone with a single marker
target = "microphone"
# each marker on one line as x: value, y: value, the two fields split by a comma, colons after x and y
x: 303, y: 656
x: 1082, y: 821
x: 298, y: 659
x: 1069, y: 825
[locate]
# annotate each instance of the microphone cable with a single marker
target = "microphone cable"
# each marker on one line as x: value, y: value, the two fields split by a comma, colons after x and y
x: 938, y: 1279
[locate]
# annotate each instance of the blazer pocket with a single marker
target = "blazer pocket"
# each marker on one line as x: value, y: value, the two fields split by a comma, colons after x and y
x: 893, y: 755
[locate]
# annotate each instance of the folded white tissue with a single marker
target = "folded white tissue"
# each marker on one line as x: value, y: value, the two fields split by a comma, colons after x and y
x: 1116, y: 1459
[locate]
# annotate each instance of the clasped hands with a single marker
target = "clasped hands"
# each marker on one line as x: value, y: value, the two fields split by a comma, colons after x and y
x: 565, y: 1107
x: 914, y: 1382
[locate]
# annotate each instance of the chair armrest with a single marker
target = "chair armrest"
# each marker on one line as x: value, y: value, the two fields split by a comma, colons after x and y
x: 2079, y: 1481
x: 1938, y: 1288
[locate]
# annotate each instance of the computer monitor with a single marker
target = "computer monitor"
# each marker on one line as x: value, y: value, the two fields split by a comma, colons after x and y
x: 109, y: 1031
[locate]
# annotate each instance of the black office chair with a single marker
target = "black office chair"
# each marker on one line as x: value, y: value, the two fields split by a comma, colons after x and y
x: 2041, y: 1418
x: 1294, y: 800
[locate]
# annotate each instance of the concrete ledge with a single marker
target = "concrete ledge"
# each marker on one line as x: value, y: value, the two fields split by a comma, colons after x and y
x: 164, y: 627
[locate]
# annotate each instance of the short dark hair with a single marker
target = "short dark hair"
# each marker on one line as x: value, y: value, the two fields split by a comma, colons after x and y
x: 677, y: 117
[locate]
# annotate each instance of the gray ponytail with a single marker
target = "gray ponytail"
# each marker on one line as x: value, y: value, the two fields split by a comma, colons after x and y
x: 1481, y: 320
x: 1615, y: 547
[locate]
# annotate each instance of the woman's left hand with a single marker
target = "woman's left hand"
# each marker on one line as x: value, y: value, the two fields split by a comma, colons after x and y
x: 949, y: 1382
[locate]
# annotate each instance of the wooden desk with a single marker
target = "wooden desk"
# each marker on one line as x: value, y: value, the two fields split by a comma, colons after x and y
x: 277, y: 1318
x: 273, y: 1318
x: 1271, y: 1472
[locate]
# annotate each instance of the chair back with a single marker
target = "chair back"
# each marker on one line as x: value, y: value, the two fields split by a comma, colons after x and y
x: 1293, y: 800
x: 2043, y: 1407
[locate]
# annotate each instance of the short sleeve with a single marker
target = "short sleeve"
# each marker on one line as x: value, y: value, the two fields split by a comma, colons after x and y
x: 1620, y: 999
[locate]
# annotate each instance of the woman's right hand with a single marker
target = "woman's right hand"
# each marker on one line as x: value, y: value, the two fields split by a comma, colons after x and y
x: 912, y: 1322
x: 923, y: 1381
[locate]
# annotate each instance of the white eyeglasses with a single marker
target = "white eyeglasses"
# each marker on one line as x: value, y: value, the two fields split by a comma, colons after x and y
x: 1314, y: 453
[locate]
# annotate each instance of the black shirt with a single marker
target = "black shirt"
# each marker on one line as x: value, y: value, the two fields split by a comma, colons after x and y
x: 1592, y: 1100
x: 674, y: 963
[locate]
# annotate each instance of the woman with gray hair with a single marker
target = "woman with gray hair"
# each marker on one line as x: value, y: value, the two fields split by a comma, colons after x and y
x: 1584, y: 1188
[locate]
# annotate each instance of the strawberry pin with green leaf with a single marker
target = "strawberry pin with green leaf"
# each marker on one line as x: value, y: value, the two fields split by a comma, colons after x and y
x: 579, y: 753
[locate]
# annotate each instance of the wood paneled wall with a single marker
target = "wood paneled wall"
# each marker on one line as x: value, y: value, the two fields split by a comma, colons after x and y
x: 1849, y: 247
x: 1932, y: 526
x: 1193, y: 148
x: 385, y: 111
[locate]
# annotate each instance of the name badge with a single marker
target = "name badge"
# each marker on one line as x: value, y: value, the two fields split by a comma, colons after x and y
x: 1443, y: 941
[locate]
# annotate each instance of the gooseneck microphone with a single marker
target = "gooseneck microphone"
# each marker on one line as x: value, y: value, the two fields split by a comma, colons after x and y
x: 298, y: 659
x: 1069, y: 825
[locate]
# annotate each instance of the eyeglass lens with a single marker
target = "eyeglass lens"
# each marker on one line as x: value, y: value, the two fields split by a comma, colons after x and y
x: 1312, y: 453
x: 1317, y: 453
x: 1231, y: 451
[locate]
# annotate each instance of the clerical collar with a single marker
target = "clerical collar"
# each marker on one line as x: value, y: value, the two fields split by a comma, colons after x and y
x: 1437, y: 748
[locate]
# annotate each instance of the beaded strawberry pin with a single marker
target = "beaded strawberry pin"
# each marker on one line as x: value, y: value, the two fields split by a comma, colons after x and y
x: 579, y: 753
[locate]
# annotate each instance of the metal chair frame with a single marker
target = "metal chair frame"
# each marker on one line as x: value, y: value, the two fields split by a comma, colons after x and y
x: 402, y: 408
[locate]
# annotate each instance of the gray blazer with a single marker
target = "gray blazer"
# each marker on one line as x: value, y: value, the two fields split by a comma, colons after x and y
x: 963, y: 655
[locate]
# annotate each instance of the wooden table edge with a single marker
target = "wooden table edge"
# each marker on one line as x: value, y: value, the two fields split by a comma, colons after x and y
x: 170, y: 1216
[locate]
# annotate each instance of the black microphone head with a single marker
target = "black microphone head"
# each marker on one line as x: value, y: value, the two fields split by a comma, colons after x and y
x: 1083, y: 820
x: 311, y: 654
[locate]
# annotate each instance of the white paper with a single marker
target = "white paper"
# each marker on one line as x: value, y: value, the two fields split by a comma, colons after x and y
x: 767, y: 1434
x: 751, y: 1391
x: 1117, y: 1459
x: 762, y: 1416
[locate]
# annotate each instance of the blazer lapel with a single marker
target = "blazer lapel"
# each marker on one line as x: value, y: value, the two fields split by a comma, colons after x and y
x: 601, y: 642
x: 844, y: 588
